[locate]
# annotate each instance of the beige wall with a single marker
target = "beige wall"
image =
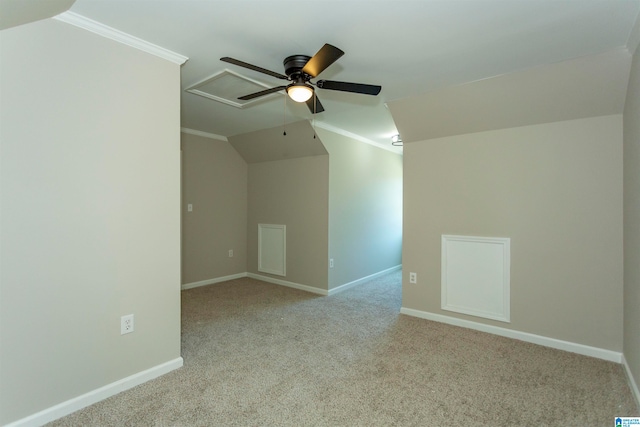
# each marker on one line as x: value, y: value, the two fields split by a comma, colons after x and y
x: 214, y: 181
x: 365, y: 208
x: 632, y: 221
x: 295, y: 193
x: 556, y: 190
x: 271, y: 144
x: 90, y: 214
x: 292, y: 181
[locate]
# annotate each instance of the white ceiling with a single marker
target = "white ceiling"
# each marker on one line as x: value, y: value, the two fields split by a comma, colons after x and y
x: 18, y: 12
x: 408, y: 47
x: 589, y: 86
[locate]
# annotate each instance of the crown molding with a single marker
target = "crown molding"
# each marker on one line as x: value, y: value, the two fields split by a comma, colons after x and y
x: 117, y: 35
x: 204, y: 134
x: 352, y: 135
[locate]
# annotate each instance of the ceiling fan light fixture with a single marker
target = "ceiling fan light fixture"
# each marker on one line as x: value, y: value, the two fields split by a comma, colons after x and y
x: 300, y: 92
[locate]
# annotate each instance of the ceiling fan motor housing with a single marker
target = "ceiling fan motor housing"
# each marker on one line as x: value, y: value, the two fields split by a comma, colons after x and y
x: 293, y: 64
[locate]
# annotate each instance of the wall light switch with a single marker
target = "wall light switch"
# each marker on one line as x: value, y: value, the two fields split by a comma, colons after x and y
x: 189, y: 207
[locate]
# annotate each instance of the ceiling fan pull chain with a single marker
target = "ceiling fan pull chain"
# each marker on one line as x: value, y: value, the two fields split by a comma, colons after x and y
x: 313, y: 116
x: 284, y: 117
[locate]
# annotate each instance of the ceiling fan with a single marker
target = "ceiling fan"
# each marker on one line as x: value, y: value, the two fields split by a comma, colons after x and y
x: 299, y: 70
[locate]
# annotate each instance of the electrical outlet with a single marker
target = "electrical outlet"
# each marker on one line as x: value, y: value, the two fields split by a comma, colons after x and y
x: 230, y: 253
x: 126, y: 324
x: 413, y: 278
x: 330, y: 262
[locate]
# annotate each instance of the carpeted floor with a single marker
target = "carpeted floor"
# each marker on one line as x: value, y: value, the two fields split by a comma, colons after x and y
x: 258, y: 354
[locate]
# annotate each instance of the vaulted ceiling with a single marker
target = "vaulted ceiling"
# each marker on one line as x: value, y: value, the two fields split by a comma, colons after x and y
x: 408, y: 47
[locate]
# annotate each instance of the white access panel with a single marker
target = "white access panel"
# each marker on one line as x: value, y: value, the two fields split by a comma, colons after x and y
x: 272, y: 249
x: 476, y: 276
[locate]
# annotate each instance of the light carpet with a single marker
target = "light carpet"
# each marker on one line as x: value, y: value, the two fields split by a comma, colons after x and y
x: 258, y: 354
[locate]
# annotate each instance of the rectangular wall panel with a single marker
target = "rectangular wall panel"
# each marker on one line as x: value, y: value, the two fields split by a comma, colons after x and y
x: 272, y: 249
x: 475, y: 276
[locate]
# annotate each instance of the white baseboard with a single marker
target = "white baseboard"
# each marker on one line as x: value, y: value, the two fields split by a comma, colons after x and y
x: 94, y: 396
x: 212, y: 281
x: 632, y: 381
x: 346, y: 286
x: 288, y: 284
x: 585, y: 350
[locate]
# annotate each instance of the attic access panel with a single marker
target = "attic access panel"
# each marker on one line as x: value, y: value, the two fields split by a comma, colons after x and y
x: 226, y: 86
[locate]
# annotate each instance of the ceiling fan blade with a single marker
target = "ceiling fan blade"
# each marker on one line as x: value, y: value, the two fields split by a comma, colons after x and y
x: 254, y: 68
x: 262, y: 93
x: 349, y: 87
x: 326, y: 56
x: 317, y: 108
